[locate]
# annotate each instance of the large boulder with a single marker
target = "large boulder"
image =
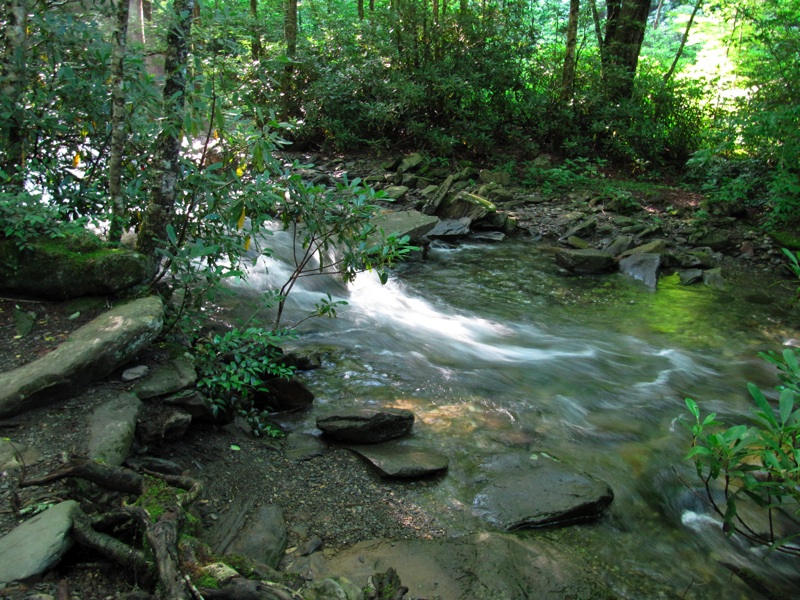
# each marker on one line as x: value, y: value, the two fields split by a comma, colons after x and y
x: 91, y: 353
x: 405, y: 222
x: 643, y: 267
x: 69, y: 269
x: 465, y: 205
x: 481, y: 566
x: 367, y: 425
x: 535, y: 490
x: 585, y: 262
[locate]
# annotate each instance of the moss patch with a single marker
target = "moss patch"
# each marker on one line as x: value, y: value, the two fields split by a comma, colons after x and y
x: 787, y: 239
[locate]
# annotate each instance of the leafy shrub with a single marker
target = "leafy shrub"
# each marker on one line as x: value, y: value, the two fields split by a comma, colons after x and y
x: 760, y: 464
x: 24, y: 218
x: 232, y: 369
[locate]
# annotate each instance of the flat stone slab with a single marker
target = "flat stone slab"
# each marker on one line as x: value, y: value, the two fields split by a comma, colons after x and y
x: 405, y: 222
x: 14, y: 455
x: 37, y: 544
x: 113, y: 428
x: 481, y: 566
x: 91, y: 353
x: 536, y: 490
x: 401, y: 460
x: 367, y: 425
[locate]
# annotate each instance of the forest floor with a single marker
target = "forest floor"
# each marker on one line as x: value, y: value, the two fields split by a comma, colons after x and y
x: 336, y: 497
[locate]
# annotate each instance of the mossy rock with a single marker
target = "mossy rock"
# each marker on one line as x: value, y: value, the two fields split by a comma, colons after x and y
x: 787, y: 239
x: 71, y: 267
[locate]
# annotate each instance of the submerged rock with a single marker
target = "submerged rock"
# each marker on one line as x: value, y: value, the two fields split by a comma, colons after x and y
x: 536, y: 490
x: 367, y: 425
x: 643, y: 267
x: 481, y: 566
x: 585, y: 261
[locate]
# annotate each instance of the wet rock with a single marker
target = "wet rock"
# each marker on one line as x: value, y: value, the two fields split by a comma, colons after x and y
x: 400, y: 460
x: 303, y: 446
x: 285, y: 395
x: 406, y: 222
x: 37, y: 544
x: 488, y: 236
x: 367, y: 425
x: 113, y: 428
x: 92, y: 352
x: 715, y: 239
x: 174, y: 376
x: 535, y: 490
x: 690, y: 276
x: 481, y: 566
x: 451, y: 228
x: 585, y: 261
x: 576, y: 243
x: 713, y: 278
x: 643, y: 267
x: 435, y: 199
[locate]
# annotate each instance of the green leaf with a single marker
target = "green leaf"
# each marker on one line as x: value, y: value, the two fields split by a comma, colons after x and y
x: 235, y: 448
x: 761, y: 402
x: 786, y: 405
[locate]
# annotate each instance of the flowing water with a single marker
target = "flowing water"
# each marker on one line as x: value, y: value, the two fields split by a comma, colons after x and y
x: 495, y: 350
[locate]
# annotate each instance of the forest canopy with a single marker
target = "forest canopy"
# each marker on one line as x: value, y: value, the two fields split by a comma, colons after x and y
x: 106, y: 105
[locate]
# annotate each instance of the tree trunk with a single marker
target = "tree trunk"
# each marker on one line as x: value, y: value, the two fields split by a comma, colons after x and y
x: 597, y: 31
x: 290, y: 37
x: 658, y: 14
x: 625, y: 26
x: 360, y: 8
x: 118, y: 114
x: 685, y: 37
x: 161, y: 205
x: 255, y: 48
x: 12, y: 74
x: 568, y: 76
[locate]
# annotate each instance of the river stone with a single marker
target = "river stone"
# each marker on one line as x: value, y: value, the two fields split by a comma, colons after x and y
x: 465, y: 205
x: 333, y: 588
x: 14, y: 455
x: 367, y: 425
x: 396, y: 192
x: 715, y: 239
x: 435, y: 200
x: 643, y: 267
x: 303, y: 446
x: 583, y: 229
x: 256, y: 533
x: 411, y: 162
x: 285, y: 395
x: 690, y: 276
x: 405, y: 222
x: 585, y: 261
x: 713, y: 278
x: 535, y: 490
x: 481, y: 566
x: 654, y: 247
x: 401, y: 460
x: 113, y: 427
x: 64, y: 269
x: 500, y: 177
x: 451, y: 228
x: 173, y: 376
x: 91, y: 353
x: 619, y: 245
x: 134, y: 373
x: 37, y: 544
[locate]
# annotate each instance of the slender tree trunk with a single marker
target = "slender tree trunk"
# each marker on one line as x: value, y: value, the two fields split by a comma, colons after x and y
x: 360, y: 8
x: 597, y: 31
x: 118, y: 114
x: 658, y: 14
x: 372, y: 5
x: 685, y: 37
x: 290, y: 37
x: 435, y: 9
x: 625, y: 26
x: 568, y: 76
x: 13, y: 74
x: 255, y: 48
x: 161, y: 205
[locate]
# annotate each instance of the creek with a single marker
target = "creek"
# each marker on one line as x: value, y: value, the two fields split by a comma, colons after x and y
x: 495, y: 350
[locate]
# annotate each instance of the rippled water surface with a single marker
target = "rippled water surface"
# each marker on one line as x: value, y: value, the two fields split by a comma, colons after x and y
x: 495, y: 350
